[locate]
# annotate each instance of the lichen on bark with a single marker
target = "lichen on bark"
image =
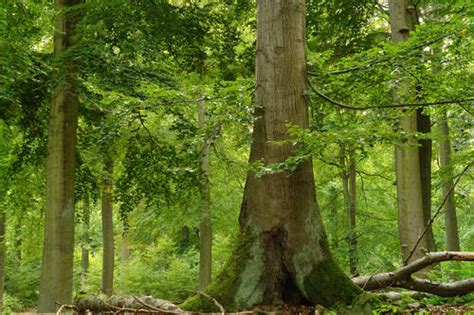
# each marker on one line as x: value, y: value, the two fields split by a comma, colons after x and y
x: 227, y: 288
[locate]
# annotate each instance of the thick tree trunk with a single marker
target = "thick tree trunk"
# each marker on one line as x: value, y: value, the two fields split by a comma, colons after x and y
x: 348, y: 176
x: 425, y: 154
x: 205, y: 225
x: 282, y: 255
x: 2, y: 257
x: 57, y: 266
x: 450, y: 217
x: 409, y: 187
x: 107, y: 228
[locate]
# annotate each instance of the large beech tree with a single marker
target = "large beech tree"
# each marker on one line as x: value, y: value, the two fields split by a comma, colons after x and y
x: 282, y: 255
x: 57, y: 265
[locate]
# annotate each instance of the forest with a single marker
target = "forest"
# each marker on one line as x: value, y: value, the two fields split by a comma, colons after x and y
x: 217, y: 156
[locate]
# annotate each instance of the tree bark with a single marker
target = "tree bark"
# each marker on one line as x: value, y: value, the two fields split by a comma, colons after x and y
x: 348, y: 176
x: 450, y: 216
x: 402, y: 277
x: 126, y: 304
x: 425, y: 154
x: 282, y: 255
x: 57, y: 265
x: 85, y: 236
x: 411, y: 219
x: 124, y: 249
x: 107, y: 228
x: 205, y: 225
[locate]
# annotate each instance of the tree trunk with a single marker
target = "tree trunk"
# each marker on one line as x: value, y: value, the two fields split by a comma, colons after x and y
x: 450, y: 217
x: 425, y: 154
x: 57, y: 265
x: 18, y: 236
x: 124, y: 249
x: 282, y: 255
x: 409, y: 192
x: 107, y: 228
x: 85, y: 238
x: 2, y: 257
x: 205, y: 225
x: 348, y: 176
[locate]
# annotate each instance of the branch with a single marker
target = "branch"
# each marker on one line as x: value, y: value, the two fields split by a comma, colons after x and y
x: 342, y: 105
x: 438, y: 211
x: 441, y: 289
x: 402, y: 277
x: 382, y: 60
x: 221, y: 308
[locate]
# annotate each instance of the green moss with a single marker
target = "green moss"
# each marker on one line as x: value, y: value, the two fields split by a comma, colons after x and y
x: 224, y: 288
x: 329, y: 286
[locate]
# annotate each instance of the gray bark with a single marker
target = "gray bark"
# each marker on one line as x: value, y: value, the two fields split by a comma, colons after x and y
x: 107, y: 228
x: 402, y: 277
x: 85, y: 236
x: 411, y: 219
x: 205, y: 225
x: 57, y: 265
x: 348, y: 176
x: 450, y: 216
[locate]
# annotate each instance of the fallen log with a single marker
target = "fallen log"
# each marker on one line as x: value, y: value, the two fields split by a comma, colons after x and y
x: 122, y: 304
x: 402, y: 277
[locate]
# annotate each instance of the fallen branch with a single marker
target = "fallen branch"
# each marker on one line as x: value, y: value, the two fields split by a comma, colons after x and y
x: 121, y: 304
x: 401, y: 277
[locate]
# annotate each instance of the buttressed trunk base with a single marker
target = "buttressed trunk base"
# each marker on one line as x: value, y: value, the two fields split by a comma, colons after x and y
x: 282, y: 255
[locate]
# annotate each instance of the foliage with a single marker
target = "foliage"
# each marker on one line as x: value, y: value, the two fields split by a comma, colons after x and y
x: 144, y: 67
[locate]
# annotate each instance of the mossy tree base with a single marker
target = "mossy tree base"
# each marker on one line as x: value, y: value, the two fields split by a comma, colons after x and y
x: 250, y: 279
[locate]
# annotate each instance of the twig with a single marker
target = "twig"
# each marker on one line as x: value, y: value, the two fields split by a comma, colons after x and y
x: 221, y: 308
x: 430, y: 222
x: 342, y: 105
x: 148, y: 305
x: 374, y: 61
x: 63, y: 306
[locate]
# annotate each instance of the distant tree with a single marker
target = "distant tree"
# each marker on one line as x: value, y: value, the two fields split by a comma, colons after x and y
x: 108, y: 256
x: 409, y: 186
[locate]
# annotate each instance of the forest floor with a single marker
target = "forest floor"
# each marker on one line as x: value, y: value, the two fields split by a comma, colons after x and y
x: 414, y: 308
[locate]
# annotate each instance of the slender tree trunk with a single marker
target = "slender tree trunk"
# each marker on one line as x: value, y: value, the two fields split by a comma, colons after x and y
x: 18, y: 239
x: 425, y: 154
x: 282, y: 255
x: 450, y: 217
x: 2, y: 257
x: 348, y: 176
x: 107, y: 228
x: 409, y: 189
x: 57, y: 266
x: 333, y: 209
x: 205, y: 225
x: 85, y: 238
x: 124, y: 248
